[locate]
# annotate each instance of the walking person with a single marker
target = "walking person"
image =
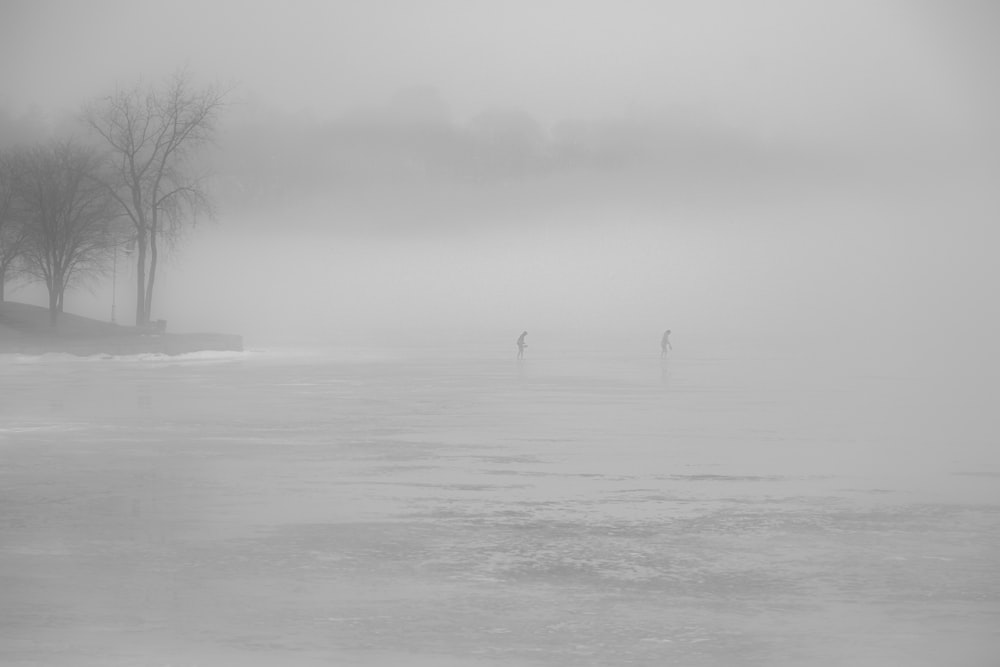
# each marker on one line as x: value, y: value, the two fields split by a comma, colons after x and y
x: 665, y: 343
x: 521, y: 345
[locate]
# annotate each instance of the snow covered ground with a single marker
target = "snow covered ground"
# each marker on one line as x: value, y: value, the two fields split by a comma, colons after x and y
x: 367, y: 507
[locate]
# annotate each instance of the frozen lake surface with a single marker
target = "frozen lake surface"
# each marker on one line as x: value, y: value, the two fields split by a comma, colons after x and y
x: 417, y: 507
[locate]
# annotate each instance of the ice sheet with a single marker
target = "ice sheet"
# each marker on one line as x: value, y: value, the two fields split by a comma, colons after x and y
x: 458, y: 507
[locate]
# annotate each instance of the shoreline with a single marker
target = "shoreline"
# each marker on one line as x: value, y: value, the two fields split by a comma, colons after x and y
x: 24, y: 329
x: 169, y: 344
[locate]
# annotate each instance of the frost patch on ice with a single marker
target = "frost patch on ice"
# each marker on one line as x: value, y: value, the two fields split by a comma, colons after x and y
x: 189, y: 357
x: 316, y: 354
x: 43, y: 428
x: 731, y: 478
x: 146, y: 357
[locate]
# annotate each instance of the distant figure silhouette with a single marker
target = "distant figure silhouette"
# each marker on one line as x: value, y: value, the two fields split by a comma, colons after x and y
x: 665, y: 343
x: 521, y: 345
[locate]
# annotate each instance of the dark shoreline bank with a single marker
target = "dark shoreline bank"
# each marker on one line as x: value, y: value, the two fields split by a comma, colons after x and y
x: 24, y: 329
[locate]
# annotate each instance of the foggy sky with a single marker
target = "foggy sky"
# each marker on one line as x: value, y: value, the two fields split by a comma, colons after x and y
x: 887, y: 253
x: 848, y: 69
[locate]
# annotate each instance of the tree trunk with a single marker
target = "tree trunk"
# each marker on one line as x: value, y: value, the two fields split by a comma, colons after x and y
x: 152, y: 276
x: 141, y: 316
x: 3, y: 283
x: 53, y: 305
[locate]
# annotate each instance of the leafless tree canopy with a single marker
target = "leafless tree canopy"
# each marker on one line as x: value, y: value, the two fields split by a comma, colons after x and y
x: 13, y: 230
x: 67, y: 215
x: 151, y: 134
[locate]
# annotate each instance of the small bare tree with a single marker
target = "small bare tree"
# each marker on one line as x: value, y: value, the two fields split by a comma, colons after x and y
x: 152, y: 134
x: 67, y: 216
x: 13, y: 231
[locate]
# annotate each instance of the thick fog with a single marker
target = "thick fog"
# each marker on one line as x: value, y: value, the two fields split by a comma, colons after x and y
x: 804, y: 192
x: 444, y: 172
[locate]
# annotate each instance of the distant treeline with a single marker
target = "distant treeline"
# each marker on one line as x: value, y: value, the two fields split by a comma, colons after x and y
x: 264, y: 156
x: 413, y: 138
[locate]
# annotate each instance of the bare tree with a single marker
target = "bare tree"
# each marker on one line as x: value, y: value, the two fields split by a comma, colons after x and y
x: 152, y: 134
x: 13, y: 231
x: 68, y: 214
